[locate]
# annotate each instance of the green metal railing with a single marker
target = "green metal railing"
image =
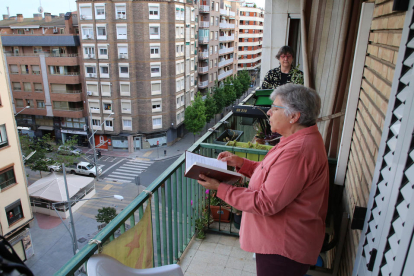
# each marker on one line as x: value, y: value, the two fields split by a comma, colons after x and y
x: 177, y: 203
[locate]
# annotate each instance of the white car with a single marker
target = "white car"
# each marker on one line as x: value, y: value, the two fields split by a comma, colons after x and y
x: 54, y: 167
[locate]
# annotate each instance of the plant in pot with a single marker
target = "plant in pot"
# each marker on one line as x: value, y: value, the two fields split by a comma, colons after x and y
x: 218, y: 209
x: 260, y: 133
x: 201, y: 224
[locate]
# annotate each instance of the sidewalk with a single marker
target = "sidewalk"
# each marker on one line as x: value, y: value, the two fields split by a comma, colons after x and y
x: 153, y: 154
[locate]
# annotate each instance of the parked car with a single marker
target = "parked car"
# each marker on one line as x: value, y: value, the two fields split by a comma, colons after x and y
x: 84, y: 168
x: 56, y: 167
x: 69, y: 150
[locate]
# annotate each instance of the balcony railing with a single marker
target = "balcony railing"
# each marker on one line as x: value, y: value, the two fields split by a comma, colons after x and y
x: 68, y: 108
x: 224, y: 12
x: 204, y: 24
x: 226, y: 38
x: 60, y: 55
x: 65, y: 74
x: 226, y: 50
x: 203, y: 84
x: 203, y: 55
x: 203, y: 40
x: 204, y: 8
x: 203, y: 70
x: 35, y: 72
x: 180, y: 199
x: 225, y: 74
x: 66, y: 91
x: 226, y: 26
x: 226, y: 62
x: 232, y: 13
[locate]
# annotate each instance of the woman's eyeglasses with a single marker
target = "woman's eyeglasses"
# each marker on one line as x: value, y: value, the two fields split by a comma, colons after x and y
x: 286, y: 56
x: 274, y: 107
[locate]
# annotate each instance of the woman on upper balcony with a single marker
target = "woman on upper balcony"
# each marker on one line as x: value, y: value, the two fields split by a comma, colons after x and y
x: 285, y: 73
x: 285, y: 205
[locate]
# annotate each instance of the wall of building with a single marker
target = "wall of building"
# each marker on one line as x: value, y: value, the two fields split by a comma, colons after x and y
x: 381, y: 57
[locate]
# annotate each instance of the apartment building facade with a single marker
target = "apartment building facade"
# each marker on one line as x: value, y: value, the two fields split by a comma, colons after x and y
x: 218, y: 39
x: 44, y: 72
x: 250, y: 39
x: 139, y: 60
x: 15, y: 211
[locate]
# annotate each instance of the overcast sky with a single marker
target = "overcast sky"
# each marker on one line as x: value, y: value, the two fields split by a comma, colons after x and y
x: 29, y: 7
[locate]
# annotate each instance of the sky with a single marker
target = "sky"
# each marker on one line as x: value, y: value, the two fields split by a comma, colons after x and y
x: 29, y: 7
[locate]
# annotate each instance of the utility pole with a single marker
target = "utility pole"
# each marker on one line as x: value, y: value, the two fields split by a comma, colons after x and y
x: 93, y: 145
x: 72, y: 222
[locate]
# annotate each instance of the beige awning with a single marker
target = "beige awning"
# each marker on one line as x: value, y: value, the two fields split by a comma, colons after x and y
x: 52, y: 187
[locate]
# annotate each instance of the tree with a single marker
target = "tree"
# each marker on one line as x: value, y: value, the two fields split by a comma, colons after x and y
x: 38, y: 161
x: 106, y: 214
x: 229, y: 92
x: 244, y: 79
x: 209, y: 104
x: 59, y: 158
x: 219, y: 99
x: 238, y: 87
x: 195, y: 116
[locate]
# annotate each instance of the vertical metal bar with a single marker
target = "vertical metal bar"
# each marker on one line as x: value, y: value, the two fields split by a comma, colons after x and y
x: 170, y: 232
x: 141, y: 211
x: 164, y: 225
x: 180, y: 208
x: 185, y: 204
x: 132, y: 220
x: 122, y: 228
x: 157, y: 226
x: 193, y: 213
x: 189, y: 198
x: 174, y: 197
x: 111, y: 238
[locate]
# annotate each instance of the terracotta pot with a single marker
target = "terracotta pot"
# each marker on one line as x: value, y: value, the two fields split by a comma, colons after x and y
x: 215, y: 212
x: 260, y: 140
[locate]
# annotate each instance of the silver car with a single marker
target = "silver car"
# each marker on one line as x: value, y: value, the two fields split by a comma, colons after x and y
x: 69, y: 150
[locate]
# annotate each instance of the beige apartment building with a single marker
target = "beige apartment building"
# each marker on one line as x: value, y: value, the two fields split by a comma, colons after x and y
x: 250, y: 39
x: 15, y: 211
x: 217, y: 38
x: 139, y: 60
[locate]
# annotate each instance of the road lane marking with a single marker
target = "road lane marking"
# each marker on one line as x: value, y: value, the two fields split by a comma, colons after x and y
x: 118, y: 180
x: 107, y: 187
x: 130, y: 170
x: 148, y: 153
x: 112, y: 166
x: 121, y: 175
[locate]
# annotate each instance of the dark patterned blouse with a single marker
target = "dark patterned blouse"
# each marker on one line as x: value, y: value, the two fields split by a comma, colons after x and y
x: 273, y: 78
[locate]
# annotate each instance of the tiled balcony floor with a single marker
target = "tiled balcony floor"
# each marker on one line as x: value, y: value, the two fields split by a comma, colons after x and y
x: 217, y: 255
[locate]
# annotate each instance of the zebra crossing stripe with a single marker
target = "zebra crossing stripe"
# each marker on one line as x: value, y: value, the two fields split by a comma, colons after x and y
x: 135, y: 166
x: 117, y: 180
x: 130, y: 170
x: 145, y: 162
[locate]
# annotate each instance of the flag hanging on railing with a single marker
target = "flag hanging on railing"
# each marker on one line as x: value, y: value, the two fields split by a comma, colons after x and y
x: 134, y: 247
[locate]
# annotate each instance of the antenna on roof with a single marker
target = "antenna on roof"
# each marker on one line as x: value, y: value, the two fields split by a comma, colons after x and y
x: 40, y: 9
x: 8, y: 11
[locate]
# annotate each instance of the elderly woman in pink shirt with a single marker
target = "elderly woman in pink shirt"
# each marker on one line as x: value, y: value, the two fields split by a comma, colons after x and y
x: 286, y: 202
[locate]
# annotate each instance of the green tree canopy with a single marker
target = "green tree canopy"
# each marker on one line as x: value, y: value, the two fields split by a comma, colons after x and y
x: 238, y: 87
x: 229, y: 91
x: 195, y: 116
x: 244, y: 79
x: 106, y: 214
x: 209, y: 104
x: 219, y: 99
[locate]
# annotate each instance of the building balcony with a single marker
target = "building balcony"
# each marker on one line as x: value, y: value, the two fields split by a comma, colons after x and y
x: 66, y: 78
x: 203, y: 55
x: 203, y: 40
x: 66, y: 91
x: 204, y: 8
x: 203, y: 84
x: 204, y: 24
x: 226, y: 50
x: 232, y: 13
x: 226, y: 26
x: 225, y: 74
x: 248, y: 67
x: 224, y: 12
x: 203, y: 70
x: 226, y: 38
x: 226, y: 62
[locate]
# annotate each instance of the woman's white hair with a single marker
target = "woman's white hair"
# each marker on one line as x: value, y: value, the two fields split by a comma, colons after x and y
x: 298, y: 98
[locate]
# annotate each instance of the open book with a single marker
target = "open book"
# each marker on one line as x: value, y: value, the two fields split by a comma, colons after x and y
x: 196, y: 164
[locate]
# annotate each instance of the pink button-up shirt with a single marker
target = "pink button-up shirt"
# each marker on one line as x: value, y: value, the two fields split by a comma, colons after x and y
x: 286, y: 202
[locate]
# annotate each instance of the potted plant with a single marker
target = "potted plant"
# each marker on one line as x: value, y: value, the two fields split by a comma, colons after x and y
x: 260, y: 133
x: 228, y: 135
x: 218, y: 209
x: 248, y: 145
x: 201, y: 224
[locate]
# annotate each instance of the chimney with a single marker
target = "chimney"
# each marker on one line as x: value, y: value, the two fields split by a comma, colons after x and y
x: 37, y: 16
x: 5, y: 17
x: 69, y: 23
x: 48, y: 17
x: 61, y: 15
x: 19, y: 17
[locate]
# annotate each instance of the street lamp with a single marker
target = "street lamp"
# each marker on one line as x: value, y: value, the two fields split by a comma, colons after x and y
x: 21, y: 110
x: 73, y: 236
x: 93, y: 141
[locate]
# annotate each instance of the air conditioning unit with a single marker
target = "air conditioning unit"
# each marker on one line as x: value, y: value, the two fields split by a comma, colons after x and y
x: 83, y: 17
x: 90, y: 75
x: 121, y: 16
x: 89, y: 93
x: 27, y: 30
x: 122, y: 56
x: 87, y: 36
x: 89, y: 55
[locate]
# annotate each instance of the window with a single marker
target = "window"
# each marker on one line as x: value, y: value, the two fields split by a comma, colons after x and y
x: 109, y: 124
x: 92, y: 89
x: 16, y: 86
x: 89, y: 51
x: 211, y: 64
x: 106, y: 88
x: 87, y: 31
x: 94, y: 106
x: 120, y: 10
x: 155, y: 87
x: 14, y: 211
x: 107, y: 107
x: 4, y: 142
x: 96, y: 122
x: 85, y: 11
x: 124, y: 89
x: 100, y: 31
x: 90, y: 70
x: 217, y: 20
x: 217, y: 6
x: 104, y: 71
x: 27, y: 86
x: 154, y: 30
x: 155, y: 69
x: 7, y: 178
x: 121, y: 31
x: 154, y: 11
x: 212, y: 20
x: 215, y: 49
x: 156, y: 105
x: 216, y: 35
x: 156, y: 122
x: 123, y: 51
x: 155, y: 50
x: 124, y: 70
x: 40, y: 104
x: 127, y: 123
x: 99, y: 11
x: 126, y: 106
x: 37, y: 50
x: 102, y: 51
x: 14, y: 69
x: 19, y: 103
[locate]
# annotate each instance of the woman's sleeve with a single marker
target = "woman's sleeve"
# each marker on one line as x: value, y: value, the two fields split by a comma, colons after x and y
x: 266, y: 82
x: 284, y: 182
x: 248, y: 167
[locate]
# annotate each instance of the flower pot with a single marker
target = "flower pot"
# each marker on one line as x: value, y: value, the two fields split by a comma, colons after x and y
x: 228, y: 135
x: 222, y: 215
x: 250, y: 156
x: 259, y: 140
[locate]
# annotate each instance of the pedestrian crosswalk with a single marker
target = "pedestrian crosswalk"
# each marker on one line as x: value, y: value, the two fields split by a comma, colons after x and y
x: 128, y: 171
x: 111, y: 159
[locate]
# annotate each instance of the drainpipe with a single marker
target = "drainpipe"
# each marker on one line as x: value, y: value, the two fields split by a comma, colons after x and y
x: 303, y: 34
